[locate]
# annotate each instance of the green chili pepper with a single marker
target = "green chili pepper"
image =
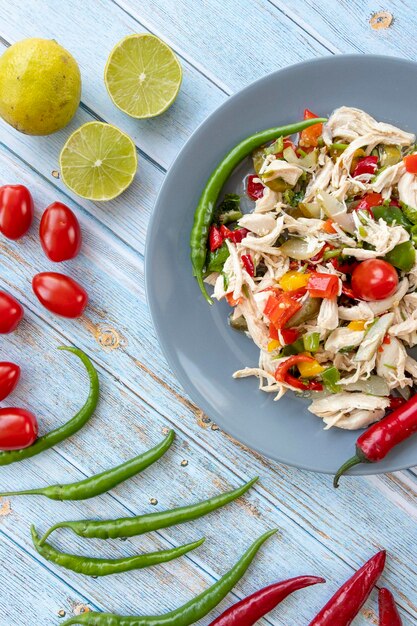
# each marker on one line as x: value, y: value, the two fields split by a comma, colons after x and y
x: 331, y: 377
x: 105, y: 567
x: 189, y: 613
x: 331, y: 254
x: 402, y: 256
x: 217, y: 259
x: 132, y: 526
x: 100, y: 483
x: 311, y: 342
x: 66, y: 430
x: 391, y: 214
x: 206, y: 206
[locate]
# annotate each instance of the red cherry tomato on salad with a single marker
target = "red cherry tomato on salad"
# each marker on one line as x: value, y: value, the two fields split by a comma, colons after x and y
x: 11, y: 313
x: 60, y: 233
x: 374, y: 279
x: 60, y: 294
x: 9, y: 377
x: 255, y: 190
x: 18, y: 429
x: 16, y: 211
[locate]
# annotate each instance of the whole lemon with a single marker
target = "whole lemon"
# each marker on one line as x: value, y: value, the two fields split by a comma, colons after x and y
x: 40, y: 86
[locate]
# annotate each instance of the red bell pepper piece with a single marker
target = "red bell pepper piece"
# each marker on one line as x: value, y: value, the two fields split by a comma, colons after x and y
x: 273, y: 332
x: 346, y: 603
x: 248, y: 264
x: 366, y: 165
x: 323, y: 285
x: 410, y: 163
x: 376, y: 442
x: 388, y: 613
x: 280, y: 309
x: 289, y: 335
x: 309, y: 137
x: 224, y: 232
x: 367, y: 202
x: 394, y: 202
x: 282, y: 373
x: 215, y: 238
x: 250, y: 610
x: 255, y: 190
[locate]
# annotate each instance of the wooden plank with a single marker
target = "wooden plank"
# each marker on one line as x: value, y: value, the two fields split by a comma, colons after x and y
x: 354, y: 26
x: 283, y: 491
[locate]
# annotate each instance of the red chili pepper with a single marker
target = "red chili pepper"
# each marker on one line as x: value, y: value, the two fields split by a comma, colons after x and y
x: 282, y: 373
x: 367, y: 202
x: 249, y: 610
x: 376, y: 442
x: 289, y: 335
x: 323, y: 285
x: 248, y: 264
x: 346, y: 603
x: 215, y: 238
x: 367, y: 165
x: 388, y: 613
x: 281, y: 309
x: 254, y: 190
x: 236, y: 236
x: 410, y: 163
x: 273, y: 332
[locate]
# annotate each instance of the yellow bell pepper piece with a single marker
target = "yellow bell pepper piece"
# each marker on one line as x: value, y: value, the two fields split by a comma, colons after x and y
x: 357, y: 325
x: 293, y: 280
x: 274, y: 344
x: 309, y: 369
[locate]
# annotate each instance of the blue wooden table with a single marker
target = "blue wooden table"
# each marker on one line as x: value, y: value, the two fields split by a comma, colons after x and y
x: 223, y: 45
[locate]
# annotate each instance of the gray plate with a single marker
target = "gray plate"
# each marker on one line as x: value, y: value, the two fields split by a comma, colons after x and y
x: 200, y: 347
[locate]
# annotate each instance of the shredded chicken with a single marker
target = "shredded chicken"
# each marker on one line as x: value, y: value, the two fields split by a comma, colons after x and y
x: 349, y: 410
x: 310, y: 238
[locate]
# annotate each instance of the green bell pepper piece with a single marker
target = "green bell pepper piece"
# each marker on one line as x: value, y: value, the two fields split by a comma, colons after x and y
x: 402, y: 256
x: 311, y: 342
x: 391, y: 214
x: 331, y: 377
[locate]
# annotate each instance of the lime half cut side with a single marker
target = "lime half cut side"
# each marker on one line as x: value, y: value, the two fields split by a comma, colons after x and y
x: 98, y: 161
x: 142, y: 75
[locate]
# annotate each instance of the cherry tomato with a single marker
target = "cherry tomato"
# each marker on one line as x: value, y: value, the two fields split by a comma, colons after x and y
x: 309, y: 136
x: 374, y: 279
x: 18, y: 429
x: 16, y: 211
x: 60, y: 233
x: 410, y: 163
x: 60, y: 294
x: 9, y: 377
x: 11, y: 313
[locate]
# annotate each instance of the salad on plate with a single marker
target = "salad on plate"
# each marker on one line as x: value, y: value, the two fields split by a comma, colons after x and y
x: 322, y: 273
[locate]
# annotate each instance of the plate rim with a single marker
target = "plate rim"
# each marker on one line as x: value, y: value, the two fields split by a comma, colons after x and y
x: 370, y: 469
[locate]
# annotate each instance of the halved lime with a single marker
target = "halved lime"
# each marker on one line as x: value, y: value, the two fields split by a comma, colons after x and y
x: 142, y: 75
x: 98, y: 161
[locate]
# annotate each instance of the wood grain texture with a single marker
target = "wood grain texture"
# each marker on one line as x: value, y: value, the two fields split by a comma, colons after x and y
x: 222, y: 47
